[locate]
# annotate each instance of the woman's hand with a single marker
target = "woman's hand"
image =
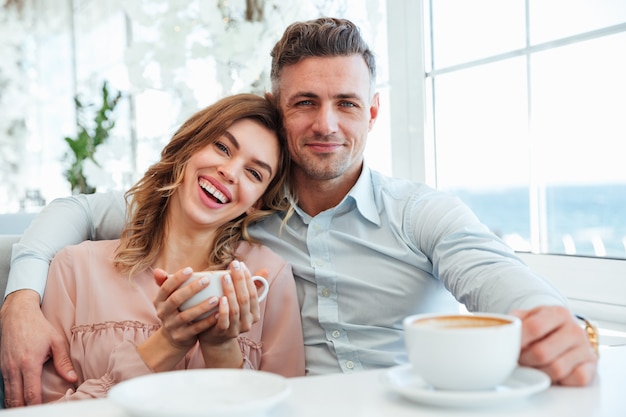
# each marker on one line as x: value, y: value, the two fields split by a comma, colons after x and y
x: 179, y: 326
x: 179, y: 332
x: 238, y: 311
x: 238, y: 307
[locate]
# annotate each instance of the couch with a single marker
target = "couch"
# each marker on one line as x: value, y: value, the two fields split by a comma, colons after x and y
x: 6, y: 245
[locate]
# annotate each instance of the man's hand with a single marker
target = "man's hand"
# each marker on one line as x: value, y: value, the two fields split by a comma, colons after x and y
x: 28, y: 341
x: 554, y: 342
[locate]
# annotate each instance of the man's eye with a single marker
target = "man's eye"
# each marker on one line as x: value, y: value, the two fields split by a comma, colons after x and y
x: 348, y: 104
x: 304, y: 103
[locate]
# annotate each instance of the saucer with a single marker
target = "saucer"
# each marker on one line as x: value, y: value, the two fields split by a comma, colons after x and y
x: 523, y: 382
x: 201, y: 393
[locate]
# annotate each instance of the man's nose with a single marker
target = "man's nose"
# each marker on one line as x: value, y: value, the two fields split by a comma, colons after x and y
x: 326, y: 121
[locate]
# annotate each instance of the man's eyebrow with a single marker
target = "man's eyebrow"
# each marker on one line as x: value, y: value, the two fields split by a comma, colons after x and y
x: 339, y: 96
x: 233, y: 140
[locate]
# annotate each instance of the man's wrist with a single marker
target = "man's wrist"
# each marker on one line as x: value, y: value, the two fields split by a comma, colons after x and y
x: 592, y: 332
x: 22, y: 297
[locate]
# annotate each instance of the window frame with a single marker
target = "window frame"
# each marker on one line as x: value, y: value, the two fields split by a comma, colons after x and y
x: 593, y: 285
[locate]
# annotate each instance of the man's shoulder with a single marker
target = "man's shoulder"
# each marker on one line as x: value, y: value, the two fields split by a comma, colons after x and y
x: 399, y: 187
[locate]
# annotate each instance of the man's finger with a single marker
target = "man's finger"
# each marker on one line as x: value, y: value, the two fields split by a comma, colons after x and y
x: 62, y: 362
x: 32, y: 386
x: 13, y: 394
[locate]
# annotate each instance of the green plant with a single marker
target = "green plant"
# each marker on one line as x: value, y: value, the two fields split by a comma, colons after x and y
x: 89, y: 137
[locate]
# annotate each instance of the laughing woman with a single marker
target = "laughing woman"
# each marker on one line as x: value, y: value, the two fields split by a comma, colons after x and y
x: 116, y: 302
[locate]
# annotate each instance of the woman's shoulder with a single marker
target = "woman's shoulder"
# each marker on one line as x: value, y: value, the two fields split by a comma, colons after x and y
x: 257, y: 256
x: 87, y: 255
x: 89, y: 247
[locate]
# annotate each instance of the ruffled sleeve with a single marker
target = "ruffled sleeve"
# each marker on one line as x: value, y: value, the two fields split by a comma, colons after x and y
x: 124, y: 363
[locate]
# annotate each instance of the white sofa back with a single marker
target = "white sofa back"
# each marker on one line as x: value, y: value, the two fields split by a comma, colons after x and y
x: 6, y: 245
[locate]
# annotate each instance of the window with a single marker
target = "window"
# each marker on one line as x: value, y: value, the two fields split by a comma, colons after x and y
x: 520, y: 112
x: 527, y: 105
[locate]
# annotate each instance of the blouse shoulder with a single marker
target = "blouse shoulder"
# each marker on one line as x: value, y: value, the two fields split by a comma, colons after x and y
x: 258, y: 257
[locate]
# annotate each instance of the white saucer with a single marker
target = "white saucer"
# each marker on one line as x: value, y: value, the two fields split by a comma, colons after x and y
x: 522, y: 383
x: 201, y: 393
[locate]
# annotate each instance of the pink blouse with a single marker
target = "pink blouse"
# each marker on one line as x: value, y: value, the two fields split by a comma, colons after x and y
x: 104, y: 315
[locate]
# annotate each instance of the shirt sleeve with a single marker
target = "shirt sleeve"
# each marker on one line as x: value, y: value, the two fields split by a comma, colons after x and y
x: 65, y: 221
x: 476, y: 266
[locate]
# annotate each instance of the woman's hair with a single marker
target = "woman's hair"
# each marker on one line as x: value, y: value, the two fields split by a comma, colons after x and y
x: 143, y: 235
x: 323, y: 37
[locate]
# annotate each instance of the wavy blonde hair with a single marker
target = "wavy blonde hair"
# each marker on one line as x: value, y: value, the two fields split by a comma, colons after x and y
x: 143, y: 235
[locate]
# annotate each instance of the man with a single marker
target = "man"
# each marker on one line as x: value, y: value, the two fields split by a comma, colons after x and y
x: 366, y: 250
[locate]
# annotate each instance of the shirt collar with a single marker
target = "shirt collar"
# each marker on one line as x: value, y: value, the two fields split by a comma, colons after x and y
x: 363, y: 196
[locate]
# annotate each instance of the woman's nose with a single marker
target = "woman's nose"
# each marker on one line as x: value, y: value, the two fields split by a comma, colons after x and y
x: 228, y: 172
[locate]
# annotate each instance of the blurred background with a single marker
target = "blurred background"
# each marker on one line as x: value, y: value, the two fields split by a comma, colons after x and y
x: 516, y: 106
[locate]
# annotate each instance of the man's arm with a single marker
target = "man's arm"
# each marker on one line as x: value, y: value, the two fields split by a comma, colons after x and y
x: 65, y: 221
x: 28, y: 340
x: 486, y: 275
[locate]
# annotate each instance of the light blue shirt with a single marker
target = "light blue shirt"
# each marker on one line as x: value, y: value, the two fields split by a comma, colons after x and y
x: 391, y: 248
x: 388, y: 250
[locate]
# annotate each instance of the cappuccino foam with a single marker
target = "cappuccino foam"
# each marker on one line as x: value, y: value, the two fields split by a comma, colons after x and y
x: 460, y: 322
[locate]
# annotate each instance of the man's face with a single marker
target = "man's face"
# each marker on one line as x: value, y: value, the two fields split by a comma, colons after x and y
x: 328, y: 112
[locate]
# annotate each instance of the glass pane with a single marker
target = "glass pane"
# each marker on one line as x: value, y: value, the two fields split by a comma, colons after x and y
x: 468, y: 30
x: 482, y: 145
x: 554, y: 19
x: 481, y: 124
x: 578, y: 108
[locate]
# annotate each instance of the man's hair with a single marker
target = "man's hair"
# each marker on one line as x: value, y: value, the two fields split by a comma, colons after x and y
x: 144, y: 233
x: 323, y: 37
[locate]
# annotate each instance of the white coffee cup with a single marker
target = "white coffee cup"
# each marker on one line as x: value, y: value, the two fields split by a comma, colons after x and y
x: 214, y: 289
x: 462, y: 351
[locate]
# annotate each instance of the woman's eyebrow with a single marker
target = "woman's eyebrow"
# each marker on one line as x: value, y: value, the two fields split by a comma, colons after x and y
x: 235, y: 143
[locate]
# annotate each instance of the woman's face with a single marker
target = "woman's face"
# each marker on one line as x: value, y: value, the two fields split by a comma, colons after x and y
x: 226, y: 178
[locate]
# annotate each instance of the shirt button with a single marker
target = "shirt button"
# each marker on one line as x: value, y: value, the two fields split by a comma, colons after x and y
x: 319, y: 263
x: 336, y: 333
x: 350, y: 365
x: 325, y: 292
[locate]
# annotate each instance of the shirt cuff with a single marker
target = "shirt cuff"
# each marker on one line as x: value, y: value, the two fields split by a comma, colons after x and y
x: 28, y: 274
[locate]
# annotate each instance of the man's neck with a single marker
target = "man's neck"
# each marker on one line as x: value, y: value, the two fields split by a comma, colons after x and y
x: 316, y: 196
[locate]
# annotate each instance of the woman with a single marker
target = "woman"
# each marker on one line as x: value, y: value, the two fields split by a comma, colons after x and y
x: 225, y: 168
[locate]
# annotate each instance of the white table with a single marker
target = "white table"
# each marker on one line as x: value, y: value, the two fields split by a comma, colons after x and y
x: 362, y: 395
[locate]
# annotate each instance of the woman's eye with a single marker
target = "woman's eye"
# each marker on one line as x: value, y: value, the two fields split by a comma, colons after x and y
x: 256, y: 174
x: 221, y: 147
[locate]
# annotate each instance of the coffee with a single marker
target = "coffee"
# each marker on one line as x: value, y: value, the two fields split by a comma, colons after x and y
x: 462, y: 351
x: 459, y: 321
